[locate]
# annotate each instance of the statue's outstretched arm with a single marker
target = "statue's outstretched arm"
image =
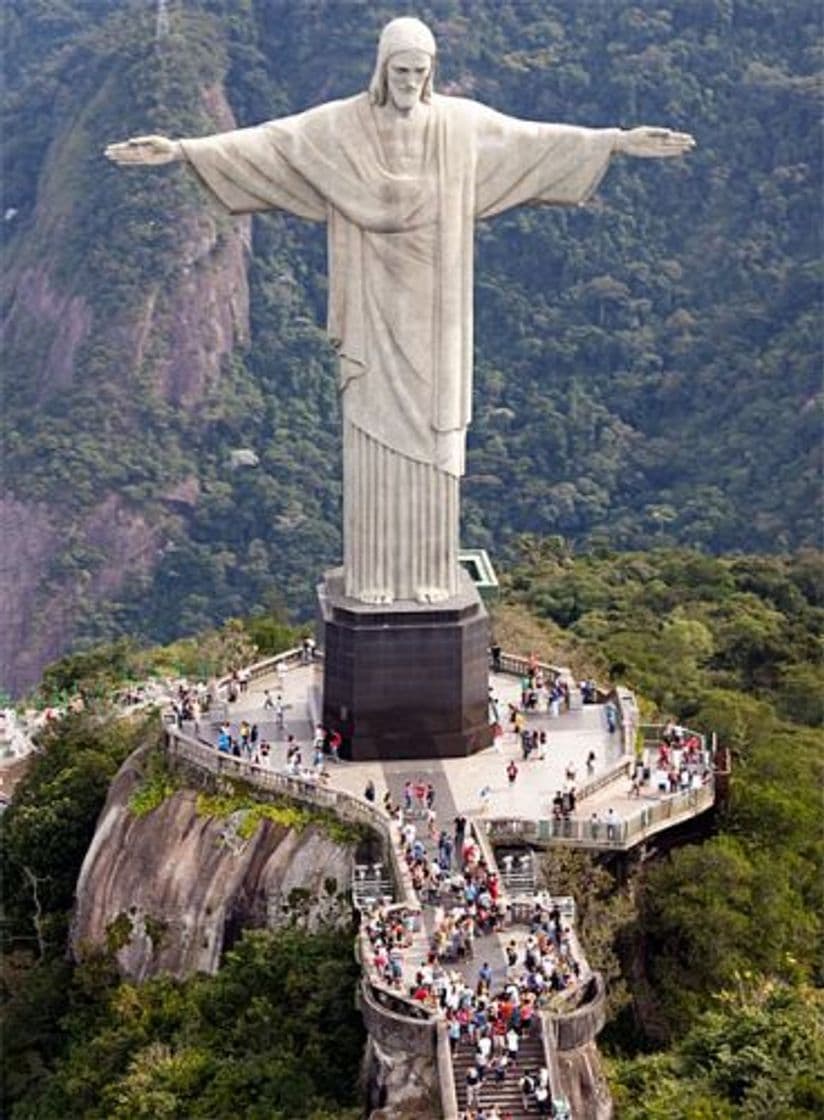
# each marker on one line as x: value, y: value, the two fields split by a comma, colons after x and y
x: 653, y: 143
x: 145, y: 151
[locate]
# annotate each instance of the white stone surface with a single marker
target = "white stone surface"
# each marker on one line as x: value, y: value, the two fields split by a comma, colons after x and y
x: 400, y: 174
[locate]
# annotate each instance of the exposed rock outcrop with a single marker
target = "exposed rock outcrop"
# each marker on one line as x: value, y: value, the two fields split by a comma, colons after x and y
x: 584, y: 1083
x: 401, y: 1086
x: 171, y: 890
x: 38, y: 606
x: 175, y: 337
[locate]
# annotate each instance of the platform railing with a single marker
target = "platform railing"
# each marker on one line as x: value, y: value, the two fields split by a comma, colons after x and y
x: 619, y: 834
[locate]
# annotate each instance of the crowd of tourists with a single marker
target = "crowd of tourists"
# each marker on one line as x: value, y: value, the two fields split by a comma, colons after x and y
x: 680, y: 762
x: 489, y: 1022
x: 188, y: 704
x: 489, y: 1017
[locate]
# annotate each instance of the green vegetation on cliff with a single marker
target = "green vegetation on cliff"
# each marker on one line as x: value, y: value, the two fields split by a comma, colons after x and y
x: 273, y: 1036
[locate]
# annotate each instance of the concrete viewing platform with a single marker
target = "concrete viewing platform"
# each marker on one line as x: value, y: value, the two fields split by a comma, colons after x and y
x: 589, y: 748
x: 520, y: 811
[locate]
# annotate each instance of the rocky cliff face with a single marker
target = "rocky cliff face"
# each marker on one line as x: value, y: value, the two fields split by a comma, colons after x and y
x: 170, y: 340
x: 171, y: 890
x: 584, y: 1083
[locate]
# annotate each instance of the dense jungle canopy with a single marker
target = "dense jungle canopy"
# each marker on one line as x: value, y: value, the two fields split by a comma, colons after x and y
x: 647, y: 367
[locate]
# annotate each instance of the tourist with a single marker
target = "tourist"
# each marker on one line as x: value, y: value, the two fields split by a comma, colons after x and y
x: 527, y: 1086
x: 526, y: 744
x: 369, y: 792
x: 431, y: 825
x: 512, y: 772
x: 483, y: 1053
x: 473, y: 1087
x: 542, y: 744
x: 542, y: 1099
x: 419, y: 789
x: 590, y: 764
x: 612, y: 824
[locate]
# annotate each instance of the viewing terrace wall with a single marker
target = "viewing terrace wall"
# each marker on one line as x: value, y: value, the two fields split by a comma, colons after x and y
x: 575, y: 1028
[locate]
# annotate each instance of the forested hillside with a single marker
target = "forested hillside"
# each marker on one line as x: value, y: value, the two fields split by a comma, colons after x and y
x: 712, y: 952
x: 646, y: 367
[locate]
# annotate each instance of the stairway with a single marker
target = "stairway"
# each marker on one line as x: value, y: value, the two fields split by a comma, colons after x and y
x: 371, y: 883
x: 517, y: 871
x: 505, y: 1094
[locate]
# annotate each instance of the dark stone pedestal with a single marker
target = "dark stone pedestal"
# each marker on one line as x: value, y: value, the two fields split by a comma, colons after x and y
x: 407, y: 680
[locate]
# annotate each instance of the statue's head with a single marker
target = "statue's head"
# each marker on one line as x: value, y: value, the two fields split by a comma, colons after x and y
x: 406, y: 49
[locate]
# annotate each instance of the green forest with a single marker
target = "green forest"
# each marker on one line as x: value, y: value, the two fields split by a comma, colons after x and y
x: 647, y: 367
x: 712, y: 950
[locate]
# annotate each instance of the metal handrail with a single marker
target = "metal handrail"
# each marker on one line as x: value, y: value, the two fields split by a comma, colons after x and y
x: 623, y: 833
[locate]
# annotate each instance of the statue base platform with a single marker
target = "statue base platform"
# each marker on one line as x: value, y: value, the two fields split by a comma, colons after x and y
x: 407, y: 680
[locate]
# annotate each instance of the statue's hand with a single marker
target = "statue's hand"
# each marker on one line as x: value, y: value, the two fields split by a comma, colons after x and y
x: 147, y: 150
x: 654, y: 143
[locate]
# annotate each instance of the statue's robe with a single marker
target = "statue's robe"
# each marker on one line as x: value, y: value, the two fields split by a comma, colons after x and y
x: 400, y: 295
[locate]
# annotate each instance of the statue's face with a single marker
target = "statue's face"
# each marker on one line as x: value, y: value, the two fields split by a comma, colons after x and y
x: 406, y: 74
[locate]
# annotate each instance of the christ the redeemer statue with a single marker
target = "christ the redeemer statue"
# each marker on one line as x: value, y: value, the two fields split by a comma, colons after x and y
x: 400, y: 174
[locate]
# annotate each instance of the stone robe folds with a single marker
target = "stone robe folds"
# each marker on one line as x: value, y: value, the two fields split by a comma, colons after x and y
x: 400, y: 296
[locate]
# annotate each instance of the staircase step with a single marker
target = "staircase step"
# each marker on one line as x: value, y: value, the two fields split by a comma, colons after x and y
x: 506, y: 1094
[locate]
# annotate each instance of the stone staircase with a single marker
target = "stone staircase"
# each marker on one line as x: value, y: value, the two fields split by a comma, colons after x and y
x: 371, y: 883
x: 505, y: 1094
x: 517, y: 871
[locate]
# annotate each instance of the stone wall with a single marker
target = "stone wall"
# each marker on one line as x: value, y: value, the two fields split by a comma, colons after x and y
x: 575, y: 1028
x: 401, y: 1069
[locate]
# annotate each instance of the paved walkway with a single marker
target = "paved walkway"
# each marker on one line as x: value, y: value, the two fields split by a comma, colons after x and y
x: 458, y: 781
